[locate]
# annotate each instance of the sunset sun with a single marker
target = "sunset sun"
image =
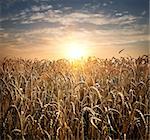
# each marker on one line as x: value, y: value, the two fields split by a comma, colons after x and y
x: 76, y: 50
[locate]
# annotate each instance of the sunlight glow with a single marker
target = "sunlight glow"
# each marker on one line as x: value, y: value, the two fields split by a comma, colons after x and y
x: 76, y: 50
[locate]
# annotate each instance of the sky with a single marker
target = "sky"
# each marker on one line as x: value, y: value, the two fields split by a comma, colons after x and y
x: 43, y: 28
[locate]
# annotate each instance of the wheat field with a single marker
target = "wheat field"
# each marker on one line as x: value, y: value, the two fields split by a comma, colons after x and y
x: 91, y: 99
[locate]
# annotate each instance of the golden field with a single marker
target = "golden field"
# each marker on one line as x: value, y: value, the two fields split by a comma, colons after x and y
x: 91, y: 99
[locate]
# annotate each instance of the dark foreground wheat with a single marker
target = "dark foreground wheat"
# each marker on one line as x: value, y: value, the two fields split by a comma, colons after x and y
x: 91, y: 99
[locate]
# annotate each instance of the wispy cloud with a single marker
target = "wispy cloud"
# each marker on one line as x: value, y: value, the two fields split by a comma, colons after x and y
x: 75, y: 17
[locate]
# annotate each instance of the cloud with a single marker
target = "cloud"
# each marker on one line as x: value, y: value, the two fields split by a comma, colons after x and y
x: 76, y: 17
x: 118, y: 14
x: 104, y: 4
x: 143, y: 13
x: 102, y: 25
x: 69, y: 16
x: 41, y: 8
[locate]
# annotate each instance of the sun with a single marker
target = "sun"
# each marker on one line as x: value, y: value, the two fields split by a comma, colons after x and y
x: 76, y: 50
